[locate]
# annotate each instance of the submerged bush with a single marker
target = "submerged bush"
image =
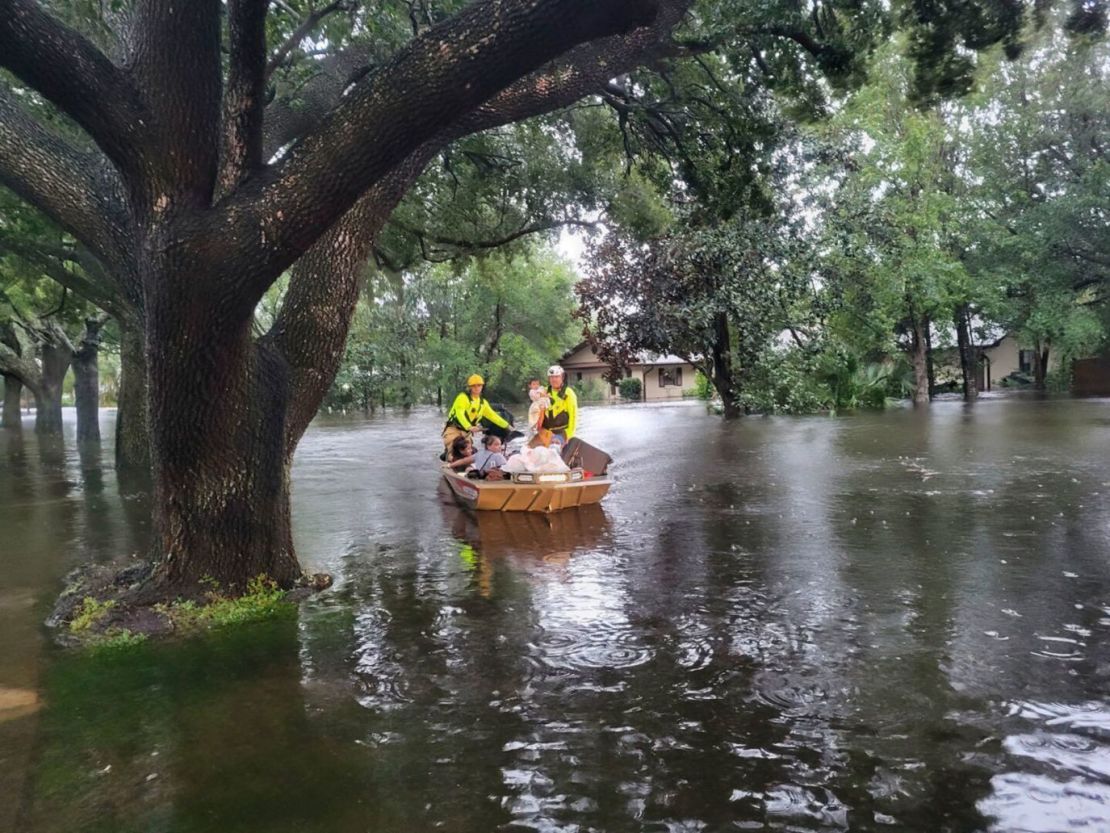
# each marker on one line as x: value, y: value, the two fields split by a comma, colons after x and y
x: 703, y: 388
x: 590, y: 390
x: 631, y: 388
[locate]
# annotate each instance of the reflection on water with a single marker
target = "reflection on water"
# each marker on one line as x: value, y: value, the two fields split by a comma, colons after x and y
x: 882, y: 622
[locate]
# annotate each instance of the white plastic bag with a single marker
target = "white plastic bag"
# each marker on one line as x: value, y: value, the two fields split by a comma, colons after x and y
x: 536, y: 460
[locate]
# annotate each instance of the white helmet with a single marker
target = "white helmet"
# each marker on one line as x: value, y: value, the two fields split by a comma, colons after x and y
x: 555, y: 370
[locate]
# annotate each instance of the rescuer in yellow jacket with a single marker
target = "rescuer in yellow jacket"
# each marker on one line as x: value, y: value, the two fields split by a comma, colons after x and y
x: 562, y: 416
x: 467, y: 409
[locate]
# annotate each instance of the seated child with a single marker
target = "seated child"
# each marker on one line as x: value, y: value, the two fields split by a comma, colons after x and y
x: 490, y: 457
x: 461, y: 454
x: 540, y: 403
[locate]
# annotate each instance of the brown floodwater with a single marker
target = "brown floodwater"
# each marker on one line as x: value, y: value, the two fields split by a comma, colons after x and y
x: 890, y: 621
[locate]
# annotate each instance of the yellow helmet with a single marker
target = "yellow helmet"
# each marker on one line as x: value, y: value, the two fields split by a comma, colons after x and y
x: 475, y: 379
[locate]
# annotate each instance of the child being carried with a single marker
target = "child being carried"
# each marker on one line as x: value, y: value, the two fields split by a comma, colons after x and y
x: 540, y: 403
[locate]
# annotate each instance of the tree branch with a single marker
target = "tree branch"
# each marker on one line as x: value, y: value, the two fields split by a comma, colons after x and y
x: 300, y: 33
x: 77, y: 190
x: 243, y: 96
x: 25, y: 370
x: 441, y: 75
x: 176, y: 65
x: 68, y: 70
x: 491, y: 243
x: 294, y: 114
x: 95, y: 287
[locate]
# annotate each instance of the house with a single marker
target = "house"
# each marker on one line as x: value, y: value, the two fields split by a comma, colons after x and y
x: 1004, y: 356
x: 661, y: 377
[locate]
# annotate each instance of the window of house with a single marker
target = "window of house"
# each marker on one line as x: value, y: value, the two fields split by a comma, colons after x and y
x: 670, y: 377
x: 578, y: 376
x: 1025, y: 361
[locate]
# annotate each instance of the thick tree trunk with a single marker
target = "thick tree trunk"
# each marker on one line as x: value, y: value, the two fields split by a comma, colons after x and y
x: 132, y: 418
x: 930, y: 368
x: 968, y: 364
x: 56, y: 357
x: 13, y: 413
x: 920, y: 358
x: 13, y: 385
x: 86, y: 383
x: 722, y: 376
x: 1040, y: 364
x: 218, y: 410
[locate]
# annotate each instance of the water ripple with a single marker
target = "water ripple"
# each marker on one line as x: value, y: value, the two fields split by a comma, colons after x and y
x: 1030, y: 803
x: 602, y: 645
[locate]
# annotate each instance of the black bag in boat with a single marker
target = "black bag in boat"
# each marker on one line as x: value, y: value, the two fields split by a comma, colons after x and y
x: 579, y: 454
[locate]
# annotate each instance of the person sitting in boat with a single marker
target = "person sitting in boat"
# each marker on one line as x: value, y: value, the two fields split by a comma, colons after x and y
x: 489, y: 460
x: 461, y: 453
x: 561, y: 415
x: 468, y: 408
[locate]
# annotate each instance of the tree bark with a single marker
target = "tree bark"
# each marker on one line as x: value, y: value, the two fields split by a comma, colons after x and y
x: 930, y: 367
x: 1040, y: 364
x: 920, y: 358
x: 56, y: 355
x: 722, y: 375
x: 132, y: 420
x: 13, y: 412
x: 13, y: 385
x: 969, y: 365
x: 86, y: 382
x: 220, y: 470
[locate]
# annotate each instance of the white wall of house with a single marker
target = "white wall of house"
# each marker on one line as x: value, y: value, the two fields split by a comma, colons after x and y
x: 663, y: 379
x: 672, y: 381
x: 1005, y: 358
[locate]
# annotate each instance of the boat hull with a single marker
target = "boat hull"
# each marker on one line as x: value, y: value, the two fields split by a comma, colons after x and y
x: 506, y: 496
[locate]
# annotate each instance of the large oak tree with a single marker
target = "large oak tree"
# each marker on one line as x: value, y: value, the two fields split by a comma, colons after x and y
x: 194, y: 208
x: 192, y: 223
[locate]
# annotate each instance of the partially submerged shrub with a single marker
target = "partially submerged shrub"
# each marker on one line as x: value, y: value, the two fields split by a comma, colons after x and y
x: 263, y: 600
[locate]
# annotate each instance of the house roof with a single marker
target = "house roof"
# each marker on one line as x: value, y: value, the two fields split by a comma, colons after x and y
x: 642, y: 360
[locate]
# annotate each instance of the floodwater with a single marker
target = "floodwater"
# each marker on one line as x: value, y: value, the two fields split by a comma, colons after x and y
x: 890, y: 622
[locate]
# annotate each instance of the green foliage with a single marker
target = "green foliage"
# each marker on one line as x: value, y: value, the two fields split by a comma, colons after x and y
x: 88, y: 614
x: 1042, y: 237
x: 631, y: 388
x: 726, y: 289
x: 825, y: 376
x: 417, y: 335
x: 703, y: 388
x: 263, y: 600
x: 784, y: 382
x: 117, y: 640
x: 86, y: 622
x: 590, y: 390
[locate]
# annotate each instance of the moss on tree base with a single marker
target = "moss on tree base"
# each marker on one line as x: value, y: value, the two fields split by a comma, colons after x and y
x: 103, y: 607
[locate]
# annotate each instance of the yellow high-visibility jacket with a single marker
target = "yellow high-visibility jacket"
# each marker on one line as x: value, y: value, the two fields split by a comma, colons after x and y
x: 562, y: 416
x: 465, y: 412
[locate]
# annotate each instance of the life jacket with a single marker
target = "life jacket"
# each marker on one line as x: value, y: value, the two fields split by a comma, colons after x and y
x: 472, y: 410
x: 557, y: 417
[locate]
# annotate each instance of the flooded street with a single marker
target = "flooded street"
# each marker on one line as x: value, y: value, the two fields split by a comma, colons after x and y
x: 891, y: 621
